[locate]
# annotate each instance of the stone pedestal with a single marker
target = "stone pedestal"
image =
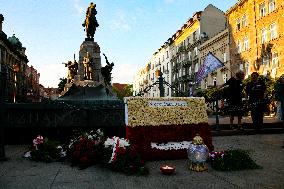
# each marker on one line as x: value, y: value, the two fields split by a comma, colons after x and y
x: 92, y: 88
x: 94, y: 51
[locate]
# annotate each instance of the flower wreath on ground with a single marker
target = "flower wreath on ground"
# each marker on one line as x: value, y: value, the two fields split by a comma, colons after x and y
x: 85, y: 148
x: 120, y: 156
x: 45, y: 150
x: 232, y: 160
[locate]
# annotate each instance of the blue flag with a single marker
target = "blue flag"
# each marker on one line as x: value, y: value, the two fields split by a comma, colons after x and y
x: 210, y: 64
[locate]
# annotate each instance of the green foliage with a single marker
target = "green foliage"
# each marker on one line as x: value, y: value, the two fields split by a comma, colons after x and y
x: 209, y: 94
x: 269, y: 83
x: 47, y: 151
x: 127, y: 91
x: 234, y: 160
x: 61, y: 84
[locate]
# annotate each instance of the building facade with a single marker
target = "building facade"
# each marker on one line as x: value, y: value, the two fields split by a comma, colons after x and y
x: 185, y: 47
x: 146, y: 80
x: 18, y: 81
x: 178, y: 58
x: 256, y: 36
x: 13, y: 65
x: 219, y: 46
x: 33, y: 86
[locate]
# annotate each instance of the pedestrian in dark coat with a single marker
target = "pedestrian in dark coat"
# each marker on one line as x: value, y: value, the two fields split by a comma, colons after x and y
x: 255, y: 90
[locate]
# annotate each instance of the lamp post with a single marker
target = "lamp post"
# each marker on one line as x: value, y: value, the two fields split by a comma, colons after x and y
x: 16, y: 69
x: 161, y: 84
x: 217, y: 109
x: 3, y: 79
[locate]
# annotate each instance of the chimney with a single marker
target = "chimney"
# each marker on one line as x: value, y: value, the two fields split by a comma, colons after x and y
x: 1, y: 21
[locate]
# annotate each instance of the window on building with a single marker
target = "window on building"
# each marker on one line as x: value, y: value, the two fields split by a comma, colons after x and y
x: 244, y: 20
x: 214, y: 83
x: 194, y: 36
x: 271, y: 5
x: 275, y: 64
x: 241, y: 67
x: 195, y: 51
x: 225, y: 77
x: 265, y: 62
x: 167, y: 54
x: 168, y: 91
x: 238, y: 24
x: 167, y: 66
x: 246, y: 43
x: 263, y: 35
x: 275, y: 60
x: 189, y: 55
x: 239, y: 47
x: 273, y: 31
x: 225, y: 57
x: 262, y: 9
x: 189, y: 70
x: 163, y: 58
x: 196, y: 67
x: 206, y: 84
x: 247, y: 69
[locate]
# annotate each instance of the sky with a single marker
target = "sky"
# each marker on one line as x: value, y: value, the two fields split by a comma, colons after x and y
x: 130, y: 31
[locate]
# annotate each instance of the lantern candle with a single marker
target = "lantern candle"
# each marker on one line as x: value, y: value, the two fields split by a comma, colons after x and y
x: 197, y: 154
x: 167, y: 169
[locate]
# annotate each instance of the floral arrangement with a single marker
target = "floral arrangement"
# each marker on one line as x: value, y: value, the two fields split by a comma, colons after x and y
x: 232, y: 160
x: 88, y: 148
x: 45, y: 150
x: 140, y: 113
x: 120, y: 156
x: 84, y: 149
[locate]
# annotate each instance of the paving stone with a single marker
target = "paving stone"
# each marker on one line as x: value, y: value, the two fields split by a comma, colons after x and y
x: 265, y: 149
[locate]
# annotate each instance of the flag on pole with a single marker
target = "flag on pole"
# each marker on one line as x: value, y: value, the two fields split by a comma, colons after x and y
x: 210, y: 64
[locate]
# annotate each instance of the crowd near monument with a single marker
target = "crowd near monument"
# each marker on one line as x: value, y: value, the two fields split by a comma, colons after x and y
x: 87, y: 79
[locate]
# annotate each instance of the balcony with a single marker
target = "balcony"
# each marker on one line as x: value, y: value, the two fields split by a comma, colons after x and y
x: 187, y: 63
x: 187, y: 78
x: 175, y: 69
x: 181, y: 49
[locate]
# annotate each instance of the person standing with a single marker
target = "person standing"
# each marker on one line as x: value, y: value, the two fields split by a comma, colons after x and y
x: 235, y: 88
x: 255, y: 90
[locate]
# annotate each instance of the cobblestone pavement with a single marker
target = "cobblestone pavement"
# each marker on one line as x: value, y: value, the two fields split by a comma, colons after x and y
x: 265, y: 149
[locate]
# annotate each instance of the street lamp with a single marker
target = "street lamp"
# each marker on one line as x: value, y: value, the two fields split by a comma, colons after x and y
x: 16, y: 69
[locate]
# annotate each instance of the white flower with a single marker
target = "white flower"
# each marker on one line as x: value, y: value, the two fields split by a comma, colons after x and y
x: 109, y: 142
x: 90, y: 137
x: 123, y: 143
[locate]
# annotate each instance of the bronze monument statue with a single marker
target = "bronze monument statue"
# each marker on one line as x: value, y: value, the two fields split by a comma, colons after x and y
x: 88, y: 67
x: 106, y: 71
x: 91, y: 22
x: 72, y: 70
